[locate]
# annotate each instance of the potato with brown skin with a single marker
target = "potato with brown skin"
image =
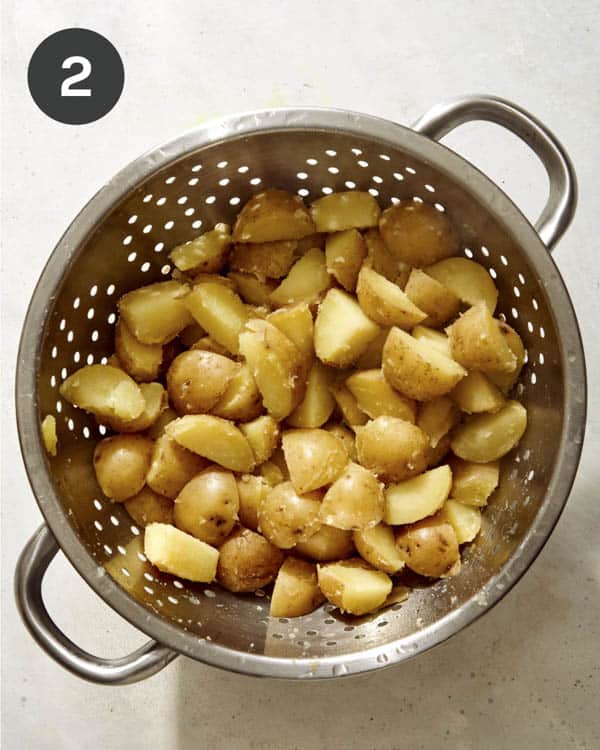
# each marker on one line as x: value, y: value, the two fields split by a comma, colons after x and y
x: 247, y: 562
x: 155, y: 314
x: 296, y: 591
x: 437, y: 301
x: 214, y: 438
x: 207, y: 507
x: 172, y: 466
x: 141, y: 361
x: 392, y: 448
x: 476, y: 393
x: 376, y: 397
x: 478, y: 344
x: 468, y: 280
x: 206, y: 253
x: 318, y: 403
x: 252, y: 290
x: 379, y: 257
x: 149, y: 507
x: 206, y: 344
x: 296, y: 322
x: 327, y: 544
x: 472, y: 484
x: 156, y: 400
x: 377, y: 546
x: 121, y: 463
x: 339, y: 211
x: 344, y: 253
x: 354, y: 586
x: 263, y: 435
x: 351, y: 412
x: 384, y: 302
x: 241, y: 400
x: 105, y: 391
x: 429, y: 547
x: 220, y: 311
x: 314, y: 458
x: 487, y: 437
x: 505, y: 381
x: 287, y: 517
x: 273, y: 215
x: 346, y: 436
x: 252, y: 490
x: 197, y: 379
x: 265, y: 260
x: 354, y: 500
x: 306, y: 281
x: 417, y: 234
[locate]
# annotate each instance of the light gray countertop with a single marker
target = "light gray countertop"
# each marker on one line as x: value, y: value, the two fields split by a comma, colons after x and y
x: 528, y: 673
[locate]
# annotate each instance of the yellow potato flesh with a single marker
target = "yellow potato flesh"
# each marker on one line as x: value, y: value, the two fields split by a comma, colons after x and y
x: 504, y: 380
x: 464, y: 519
x: 353, y: 415
x: 438, y: 339
x: 149, y: 507
x: 141, y: 361
x: 252, y: 490
x: 476, y: 393
x: 252, y: 290
x: 105, y: 391
x: 376, y: 397
x: 437, y: 301
x: 263, y: 435
x: 318, y: 403
x: 155, y: 314
x: 296, y: 591
x: 219, y: 311
x: 306, y: 282
x: 173, y: 551
x: 416, y: 498
x: 266, y: 260
x: 172, y: 466
x: 214, y: 438
x: 468, y: 280
x: 472, y: 484
x: 344, y: 253
x: 384, y: 302
x: 437, y: 417
x: 487, y: 437
x: 328, y: 543
x: 205, y: 253
x: 273, y: 215
x: 377, y: 546
x: 241, y: 399
x: 49, y: 434
x: 354, y: 586
x: 478, y: 344
x: 155, y: 398
x: 346, y: 210
x: 296, y: 322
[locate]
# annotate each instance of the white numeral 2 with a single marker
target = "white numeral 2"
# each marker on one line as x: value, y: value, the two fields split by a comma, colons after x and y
x: 86, y: 69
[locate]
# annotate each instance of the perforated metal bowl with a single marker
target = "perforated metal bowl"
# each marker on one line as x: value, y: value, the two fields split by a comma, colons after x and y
x: 120, y: 240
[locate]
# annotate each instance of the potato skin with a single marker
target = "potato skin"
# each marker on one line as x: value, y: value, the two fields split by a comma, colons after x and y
x: 392, y: 448
x: 172, y: 466
x: 439, y: 303
x: 354, y: 501
x: 505, y: 381
x: 266, y: 260
x: 121, y: 463
x: 247, y: 561
x: 345, y: 252
x: 207, y: 507
x: 241, y: 400
x: 429, y: 547
x: 483, y: 438
x: 478, y: 344
x: 273, y: 215
x: 197, y: 379
x: 314, y: 458
x: 252, y: 490
x: 417, y: 234
x: 149, y: 507
x: 384, y: 302
x: 285, y: 517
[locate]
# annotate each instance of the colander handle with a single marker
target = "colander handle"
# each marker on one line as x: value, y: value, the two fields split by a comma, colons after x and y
x: 29, y: 575
x: 562, y: 198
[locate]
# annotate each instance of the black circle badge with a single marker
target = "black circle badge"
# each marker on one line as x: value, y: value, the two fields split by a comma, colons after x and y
x: 75, y: 76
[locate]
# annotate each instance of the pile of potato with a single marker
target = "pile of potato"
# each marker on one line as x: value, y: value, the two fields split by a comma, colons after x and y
x: 318, y: 398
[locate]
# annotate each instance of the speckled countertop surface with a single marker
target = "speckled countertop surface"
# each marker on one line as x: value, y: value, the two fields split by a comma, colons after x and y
x: 527, y: 674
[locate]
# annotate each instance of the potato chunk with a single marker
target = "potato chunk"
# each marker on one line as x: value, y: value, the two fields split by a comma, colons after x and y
x: 328, y: 543
x: 351, y: 412
x: 247, y: 562
x: 472, y: 484
x: 149, y: 507
x: 219, y: 311
x: 306, y: 282
x: 487, y: 437
x: 392, y: 448
x: 429, y: 547
x: 468, y: 280
x: 172, y: 466
x: 478, y: 344
x: 105, y: 391
x: 121, y: 463
x: 273, y: 215
x: 277, y: 366
x: 155, y: 314
x: 155, y: 398
x: 318, y: 403
x: 465, y: 520
x: 384, y: 302
x: 376, y: 397
x: 371, y: 356
x: 342, y: 330
x: 416, y: 368
x: 416, y: 498
x: 265, y: 260
x: 180, y: 554
x: 438, y: 339
x: 476, y: 393
x: 141, y: 361
x: 437, y: 417
x: 263, y: 435
x: 207, y: 507
x: 49, y: 434
x: 437, y: 301
x: 252, y: 491
x: 314, y: 458
x: 506, y: 380
x: 377, y: 546
x: 214, y: 438
x: 241, y: 400
x: 287, y: 517
x: 197, y: 379
x: 347, y: 438
x: 344, y: 253
x: 296, y: 591
x: 252, y: 290
x: 354, y: 500
x: 354, y: 586
x: 379, y: 257
x: 346, y: 210
x: 296, y: 322
x: 206, y: 253
x: 417, y: 234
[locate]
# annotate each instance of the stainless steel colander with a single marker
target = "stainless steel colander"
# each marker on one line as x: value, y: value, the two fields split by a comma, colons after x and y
x: 120, y: 240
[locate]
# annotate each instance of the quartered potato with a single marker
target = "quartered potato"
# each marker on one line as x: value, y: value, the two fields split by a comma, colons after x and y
x: 472, y: 484
x: 438, y: 339
x: 318, y: 403
x: 264, y: 260
x: 327, y: 544
x: 476, y: 393
x: 219, y: 311
x: 121, y: 463
x: 504, y: 380
x: 173, y: 551
x: 347, y: 438
x: 352, y: 414
x: 392, y: 448
x: 247, y: 562
x: 314, y: 458
x: 252, y: 290
x: 354, y: 586
x: 306, y: 281
x: 354, y: 500
x: 384, y: 302
x: 197, y: 379
x: 344, y: 253
x: 468, y: 280
x: 105, y: 391
x: 207, y: 507
x: 436, y: 455
x: 172, y: 466
x: 478, y: 344
x: 464, y: 519
x: 287, y: 517
x: 273, y: 215
x: 241, y: 400
x: 251, y: 490
x: 263, y: 435
x: 141, y: 361
x: 340, y: 211
x: 437, y: 417
x: 417, y: 234
x: 149, y: 507
x: 296, y: 322
x: 377, y: 546
x: 273, y: 473
x: 379, y: 257
x: 437, y: 301
x: 487, y: 437
x: 214, y: 438
x: 206, y: 253
x: 155, y: 398
x: 416, y: 498
x: 296, y: 591
x: 429, y: 547
x: 155, y: 314
x: 376, y: 397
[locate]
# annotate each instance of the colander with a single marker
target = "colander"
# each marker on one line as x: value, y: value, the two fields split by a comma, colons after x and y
x: 120, y: 241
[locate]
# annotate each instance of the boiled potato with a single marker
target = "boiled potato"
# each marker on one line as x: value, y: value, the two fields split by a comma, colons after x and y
x: 416, y: 498
x: 241, y: 400
x: 213, y: 278
x: 468, y: 280
x: 392, y: 448
x: 49, y: 434
x: 173, y: 551
x: 354, y: 586
x: 433, y: 298
x: 265, y: 260
x: 416, y: 368
x: 478, y: 344
x: 342, y: 330
x: 351, y: 412
x: 296, y: 322
x: 207, y: 507
x: 206, y: 344
x: 377, y: 546
x: 287, y: 517
x: 437, y: 417
x: 105, y: 391
x: 272, y: 473
x: 417, y: 234
x: 438, y: 339
x: 376, y: 397
x: 155, y: 398
x: 247, y: 562
x: 172, y: 466
x: 277, y: 366
x: 263, y: 435
x: 487, y: 437
x: 504, y: 380
x: 379, y: 257
x: 252, y: 490
x: 354, y: 500
x: 149, y: 507
x: 273, y: 215
x: 346, y: 210
x: 121, y: 463
x: 314, y: 458
x: 141, y: 361
x: 219, y: 311
x: 346, y: 437
x: 296, y: 591
x: 306, y: 282
x: 214, y: 438
x: 429, y: 547
x: 155, y: 314
x: 206, y: 253
x: 472, y: 484
x: 371, y: 356
x: 197, y: 379
x: 476, y: 393
x: 384, y: 302
x: 344, y: 253
x: 318, y: 403
x: 327, y: 544
x: 465, y: 520
x: 435, y: 455
x: 253, y: 290
x: 157, y: 427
